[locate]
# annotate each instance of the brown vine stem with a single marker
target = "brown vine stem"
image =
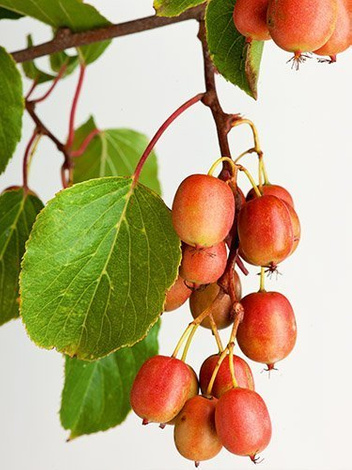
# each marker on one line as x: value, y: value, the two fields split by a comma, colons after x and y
x: 223, y: 121
x: 65, y: 38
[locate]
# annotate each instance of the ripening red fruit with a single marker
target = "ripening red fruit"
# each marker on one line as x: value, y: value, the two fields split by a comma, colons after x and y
x: 203, y: 210
x: 177, y: 295
x: 201, y: 299
x: 223, y: 381
x: 193, y: 391
x: 161, y: 388
x: 195, y: 434
x: 301, y: 25
x: 249, y: 17
x: 341, y: 37
x: 265, y: 231
x: 272, y: 190
x: 268, y: 331
x: 203, y: 265
x: 296, y: 226
x: 243, y: 422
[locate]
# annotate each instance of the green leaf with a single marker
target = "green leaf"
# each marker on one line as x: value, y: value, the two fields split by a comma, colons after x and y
x: 236, y: 60
x: 9, y: 15
x: 96, y: 395
x: 11, y: 107
x: 72, y: 14
x: 17, y: 214
x: 31, y: 71
x: 58, y: 59
x: 114, y: 152
x: 99, y: 260
x: 174, y: 7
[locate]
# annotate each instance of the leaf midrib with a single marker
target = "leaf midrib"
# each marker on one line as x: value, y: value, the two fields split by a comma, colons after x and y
x: 118, y: 227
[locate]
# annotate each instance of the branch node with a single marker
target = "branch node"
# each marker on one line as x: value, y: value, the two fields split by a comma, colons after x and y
x: 63, y: 34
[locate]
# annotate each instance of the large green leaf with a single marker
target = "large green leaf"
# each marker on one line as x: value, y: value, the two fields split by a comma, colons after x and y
x: 11, y: 107
x: 17, y: 214
x: 72, y: 14
x: 96, y: 395
x: 174, y: 7
x: 236, y: 60
x: 114, y: 152
x: 99, y: 260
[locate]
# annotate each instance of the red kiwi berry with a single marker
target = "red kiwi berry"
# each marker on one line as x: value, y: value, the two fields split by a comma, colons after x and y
x: 203, y: 298
x: 265, y: 231
x: 249, y: 17
x: 161, y: 388
x: 195, y: 434
x: 223, y: 381
x: 203, y: 265
x: 301, y: 26
x: 296, y: 226
x: 203, y: 210
x: 272, y: 190
x: 268, y: 331
x: 177, y: 295
x: 341, y: 37
x: 243, y: 422
x: 193, y: 391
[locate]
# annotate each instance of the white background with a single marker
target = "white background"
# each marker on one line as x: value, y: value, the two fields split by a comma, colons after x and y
x: 304, y: 120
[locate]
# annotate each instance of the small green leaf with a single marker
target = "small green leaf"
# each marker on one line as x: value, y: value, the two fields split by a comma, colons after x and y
x: 236, y: 60
x: 72, y: 14
x: 11, y: 107
x: 59, y: 59
x: 17, y: 214
x: 9, y: 15
x: 96, y: 395
x: 174, y: 7
x: 99, y: 260
x: 31, y: 71
x: 114, y: 152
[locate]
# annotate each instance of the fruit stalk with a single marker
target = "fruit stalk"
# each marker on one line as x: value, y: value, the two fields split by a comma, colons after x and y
x: 71, y: 127
x: 161, y: 131
x: 196, y: 322
x: 51, y: 89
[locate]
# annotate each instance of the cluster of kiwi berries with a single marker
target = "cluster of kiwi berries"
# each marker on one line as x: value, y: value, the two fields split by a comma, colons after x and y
x: 219, y: 228
x: 299, y: 26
